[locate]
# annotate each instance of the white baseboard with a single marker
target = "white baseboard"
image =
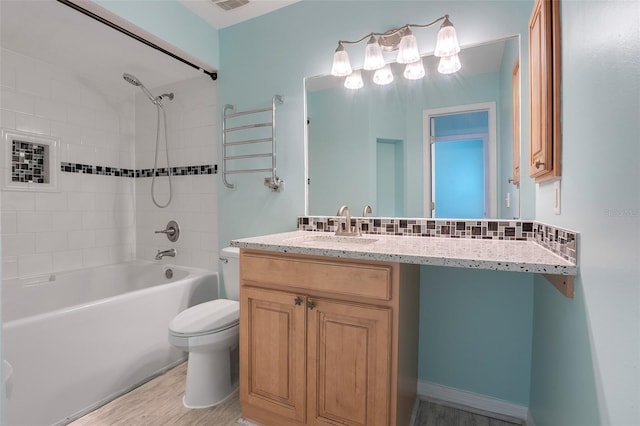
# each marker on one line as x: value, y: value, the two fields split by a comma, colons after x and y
x: 466, y: 399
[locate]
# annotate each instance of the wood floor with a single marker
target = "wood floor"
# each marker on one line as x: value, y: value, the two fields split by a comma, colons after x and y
x: 159, y: 403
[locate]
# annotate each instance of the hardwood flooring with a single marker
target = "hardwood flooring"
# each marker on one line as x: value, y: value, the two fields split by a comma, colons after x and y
x: 159, y: 403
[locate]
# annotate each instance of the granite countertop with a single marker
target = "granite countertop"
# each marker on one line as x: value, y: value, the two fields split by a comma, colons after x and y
x: 499, y: 255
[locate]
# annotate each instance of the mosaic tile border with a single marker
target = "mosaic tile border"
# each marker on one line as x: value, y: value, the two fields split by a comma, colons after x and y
x: 560, y: 241
x: 207, y: 169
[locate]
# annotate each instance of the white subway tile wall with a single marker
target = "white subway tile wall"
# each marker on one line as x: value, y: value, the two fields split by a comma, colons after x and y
x: 45, y: 232
x: 102, y: 219
x: 192, y: 129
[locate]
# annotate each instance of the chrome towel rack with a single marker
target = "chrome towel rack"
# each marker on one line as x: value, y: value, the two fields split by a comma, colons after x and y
x: 228, y: 114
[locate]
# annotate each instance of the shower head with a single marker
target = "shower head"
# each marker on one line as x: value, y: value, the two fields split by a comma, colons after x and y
x: 131, y: 79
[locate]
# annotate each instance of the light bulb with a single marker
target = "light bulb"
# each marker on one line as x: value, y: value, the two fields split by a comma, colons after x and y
x: 449, y: 64
x: 408, y: 50
x: 383, y: 75
x: 354, y: 80
x: 414, y: 71
x: 447, y: 43
x: 373, y: 59
x: 341, y: 65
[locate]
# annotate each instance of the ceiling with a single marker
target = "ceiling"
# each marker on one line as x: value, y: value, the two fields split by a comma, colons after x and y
x: 219, y: 18
x: 56, y: 34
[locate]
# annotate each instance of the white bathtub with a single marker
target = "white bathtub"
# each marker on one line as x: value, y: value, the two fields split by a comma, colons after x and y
x: 81, y: 338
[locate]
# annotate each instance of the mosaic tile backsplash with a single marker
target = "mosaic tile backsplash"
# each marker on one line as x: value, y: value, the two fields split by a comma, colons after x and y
x: 29, y: 162
x: 560, y: 241
x: 207, y: 169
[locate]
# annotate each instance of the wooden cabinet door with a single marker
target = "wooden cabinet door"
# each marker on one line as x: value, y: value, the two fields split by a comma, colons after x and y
x: 541, y: 89
x: 272, y: 351
x: 349, y: 355
x: 544, y: 90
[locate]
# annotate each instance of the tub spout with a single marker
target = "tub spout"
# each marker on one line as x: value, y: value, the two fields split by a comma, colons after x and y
x: 163, y: 253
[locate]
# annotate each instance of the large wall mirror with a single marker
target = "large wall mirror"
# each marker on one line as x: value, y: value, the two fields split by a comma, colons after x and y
x: 441, y: 146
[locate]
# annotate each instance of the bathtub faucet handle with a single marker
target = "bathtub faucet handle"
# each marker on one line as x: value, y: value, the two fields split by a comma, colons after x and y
x: 172, y: 231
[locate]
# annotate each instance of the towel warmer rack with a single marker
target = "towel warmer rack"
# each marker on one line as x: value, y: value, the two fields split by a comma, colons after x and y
x: 273, y: 182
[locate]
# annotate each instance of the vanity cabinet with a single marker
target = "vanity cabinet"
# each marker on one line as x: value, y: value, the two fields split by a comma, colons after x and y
x: 544, y: 90
x: 327, y: 341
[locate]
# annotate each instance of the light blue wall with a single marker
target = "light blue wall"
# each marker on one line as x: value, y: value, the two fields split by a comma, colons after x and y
x: 475, y: 331
x: 586, y: 354
x: 273, y: 54
x: 171, y: 21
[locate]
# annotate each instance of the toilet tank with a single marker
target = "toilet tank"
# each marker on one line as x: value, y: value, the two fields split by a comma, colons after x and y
x: 230, y: 257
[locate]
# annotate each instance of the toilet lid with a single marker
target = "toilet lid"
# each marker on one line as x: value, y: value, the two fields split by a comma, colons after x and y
x: 206, y: 317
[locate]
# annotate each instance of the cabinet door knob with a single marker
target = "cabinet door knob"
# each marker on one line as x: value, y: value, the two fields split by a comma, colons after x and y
x: 311, y: 304
x: 538, y: 164
x: 298, y: 301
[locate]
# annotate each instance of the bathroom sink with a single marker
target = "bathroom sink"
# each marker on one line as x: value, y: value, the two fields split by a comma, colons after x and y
x: 330, y: 240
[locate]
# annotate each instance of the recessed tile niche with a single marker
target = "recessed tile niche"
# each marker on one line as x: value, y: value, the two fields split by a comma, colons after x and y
x: 31, y: 161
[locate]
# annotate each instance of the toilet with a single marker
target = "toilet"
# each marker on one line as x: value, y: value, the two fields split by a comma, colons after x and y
x: 209, y: 332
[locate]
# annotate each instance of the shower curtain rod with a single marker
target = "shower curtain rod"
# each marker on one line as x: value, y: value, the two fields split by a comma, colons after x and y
x: 71, y: 4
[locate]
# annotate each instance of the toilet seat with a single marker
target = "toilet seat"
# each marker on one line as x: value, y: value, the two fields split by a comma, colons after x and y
x: 206, y: 318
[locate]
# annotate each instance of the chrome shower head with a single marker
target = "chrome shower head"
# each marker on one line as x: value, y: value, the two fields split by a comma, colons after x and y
x: 131, y: 79
x: 136, y: 82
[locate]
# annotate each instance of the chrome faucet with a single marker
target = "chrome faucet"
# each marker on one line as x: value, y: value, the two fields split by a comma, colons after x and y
x: 171, y: 253
x: 359, y: 222
x: 348, y: 230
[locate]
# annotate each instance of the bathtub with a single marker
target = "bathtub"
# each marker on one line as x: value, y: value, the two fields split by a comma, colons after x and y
x: 79, y: 339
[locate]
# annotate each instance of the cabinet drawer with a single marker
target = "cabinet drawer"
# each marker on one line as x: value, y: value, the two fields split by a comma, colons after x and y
x: 346, y: 278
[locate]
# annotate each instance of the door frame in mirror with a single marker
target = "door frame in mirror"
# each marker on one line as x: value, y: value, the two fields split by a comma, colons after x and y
x: 427, y: 114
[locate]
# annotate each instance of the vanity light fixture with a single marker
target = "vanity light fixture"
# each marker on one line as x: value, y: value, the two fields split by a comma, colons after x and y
x: 354, y: 80
x: 403, y: 40
x: 383, y: 75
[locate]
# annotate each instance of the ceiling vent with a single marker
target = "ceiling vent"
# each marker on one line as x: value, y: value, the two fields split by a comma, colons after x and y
x: 229, y: 4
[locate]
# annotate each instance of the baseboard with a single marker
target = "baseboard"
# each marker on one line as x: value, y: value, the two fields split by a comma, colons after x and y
x: 466, y: 399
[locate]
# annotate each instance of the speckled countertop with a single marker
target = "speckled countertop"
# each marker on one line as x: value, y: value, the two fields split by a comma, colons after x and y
x: 499, y: 255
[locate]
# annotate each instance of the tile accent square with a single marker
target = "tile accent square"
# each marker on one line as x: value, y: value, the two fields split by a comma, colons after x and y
x: 31, y: 161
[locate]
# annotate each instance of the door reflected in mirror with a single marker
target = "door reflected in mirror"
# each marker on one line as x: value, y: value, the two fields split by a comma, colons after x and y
x: 374, y: 145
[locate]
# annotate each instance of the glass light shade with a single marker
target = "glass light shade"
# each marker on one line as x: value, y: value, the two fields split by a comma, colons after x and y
x: 447, y: 43
x: 408, y: 50
x: 449, y: 64
x: 373, y: 59
x: 354, y: 80
x: 341, y: 65
x: 414, y: 70
x: 383, y: 75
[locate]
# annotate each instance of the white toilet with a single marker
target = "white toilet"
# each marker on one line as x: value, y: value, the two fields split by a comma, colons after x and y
x: 209, y: 332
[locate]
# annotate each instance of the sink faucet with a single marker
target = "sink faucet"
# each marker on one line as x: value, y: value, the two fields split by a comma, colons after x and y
x: 348, y: 231
x: 163, y: 253
x: 359, y: 222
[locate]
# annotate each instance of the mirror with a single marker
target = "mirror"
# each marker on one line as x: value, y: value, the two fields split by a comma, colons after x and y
x: 373, y: 145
